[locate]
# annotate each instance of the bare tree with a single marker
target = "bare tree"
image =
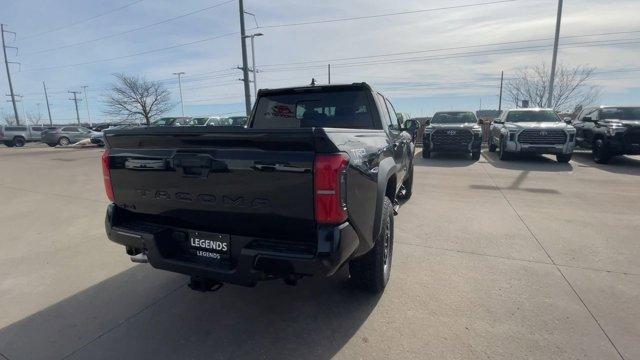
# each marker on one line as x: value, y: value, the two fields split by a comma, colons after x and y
x: 34, y: 117
x: 7, y: 119
x: 135, y: 98
x: 572, y: 87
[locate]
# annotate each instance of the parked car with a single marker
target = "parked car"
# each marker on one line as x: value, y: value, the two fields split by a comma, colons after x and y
x: 65, y: 135
x: 97, y: 137
x: 238, y: 120
x: 310, y: 186
x: 19, y: 135
x: 172, y: 121
x: 534, y: 130
x: 453, y: 131
x: 609, y: 131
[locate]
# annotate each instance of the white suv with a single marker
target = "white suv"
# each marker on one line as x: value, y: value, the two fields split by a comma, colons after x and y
x: 538, y: 131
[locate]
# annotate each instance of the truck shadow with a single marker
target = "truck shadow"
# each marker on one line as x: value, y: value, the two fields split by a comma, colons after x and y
x: 526, y: 162
x: 146, y: 313
x: 618, y: 165
x: 446, y: 160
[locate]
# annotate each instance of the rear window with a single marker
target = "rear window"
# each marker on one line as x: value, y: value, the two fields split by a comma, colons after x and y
x: 15, y: 128
x: 328, y: 108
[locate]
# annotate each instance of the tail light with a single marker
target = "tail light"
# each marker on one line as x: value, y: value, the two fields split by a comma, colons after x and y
x: 106, y: 174
x: 330, y: 176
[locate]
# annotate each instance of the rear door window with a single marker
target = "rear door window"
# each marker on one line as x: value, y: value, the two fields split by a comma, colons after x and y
x: 336, y: 108
x: 70, y: 129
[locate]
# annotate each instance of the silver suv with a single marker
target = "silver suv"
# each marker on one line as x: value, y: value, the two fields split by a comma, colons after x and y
x: 19, y: 135
x: 538, y: 131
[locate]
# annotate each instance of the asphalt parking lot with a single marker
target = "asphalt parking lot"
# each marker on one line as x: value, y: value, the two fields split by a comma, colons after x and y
x: 502, y: 260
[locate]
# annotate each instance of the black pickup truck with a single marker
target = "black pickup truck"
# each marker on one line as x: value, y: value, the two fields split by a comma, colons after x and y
x: 310, y: 185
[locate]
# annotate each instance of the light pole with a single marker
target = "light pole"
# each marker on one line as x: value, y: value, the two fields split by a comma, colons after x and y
x: 180, y: 87
x: 253, y: 62
x: 555, y: 55
x: 86, y: 102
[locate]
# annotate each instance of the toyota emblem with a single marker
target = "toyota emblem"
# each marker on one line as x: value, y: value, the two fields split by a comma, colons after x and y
x: 451, y: 132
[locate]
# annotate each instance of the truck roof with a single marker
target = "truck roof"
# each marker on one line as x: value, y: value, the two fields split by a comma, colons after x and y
x: 294, y: 89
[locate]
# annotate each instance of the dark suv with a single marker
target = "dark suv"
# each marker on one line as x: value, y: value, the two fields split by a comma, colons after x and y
x: 609, y: 131
x: 453, y: 131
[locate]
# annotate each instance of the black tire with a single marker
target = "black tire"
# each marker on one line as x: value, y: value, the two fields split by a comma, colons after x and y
x: 563, y: 158
x: 600, y: 153
x: 504, y: 155
x: 371, y: 272
x: 8, y: 143
x: 19, y: 142
x: 492, y: 146
x: 64, y: 141
x: 407, y: 185
x: 426, y: 153
x: 475, y: 155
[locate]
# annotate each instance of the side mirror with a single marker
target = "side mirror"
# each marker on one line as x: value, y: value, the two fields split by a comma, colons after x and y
x: 587, y: 118
x: 480, y: 121
x: 498, y: 121
x: 567, y: 120
x: 410, y: 125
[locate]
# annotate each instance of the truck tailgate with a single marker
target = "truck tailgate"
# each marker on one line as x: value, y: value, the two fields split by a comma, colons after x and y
x: 232, y: 181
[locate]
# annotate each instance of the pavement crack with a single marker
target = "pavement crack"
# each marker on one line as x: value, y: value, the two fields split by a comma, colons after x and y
x: 533, y: 235
x: 127, y: 319
x: 3, y: 356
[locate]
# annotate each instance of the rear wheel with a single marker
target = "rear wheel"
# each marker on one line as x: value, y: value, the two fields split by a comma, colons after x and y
x: 600, y: 153
x: 563, y: 158
x: 504, y: 155
x: 64, y: 141
x: 8, y: 143
x: 19, y: 142
x: 371, y: 271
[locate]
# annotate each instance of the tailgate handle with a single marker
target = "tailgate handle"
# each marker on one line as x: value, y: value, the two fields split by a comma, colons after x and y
x: 193, y: 165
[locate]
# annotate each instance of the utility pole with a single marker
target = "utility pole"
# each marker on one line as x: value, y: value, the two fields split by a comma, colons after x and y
x: 47, y: 98
x: 245, y: 67
x: 6, y: 65
x: 501, y: 81
x: 86, y: 102
x: 75, y: 100
x: 253, y: 62
x: 555, y: 55
x: 180, y: 87
x: 329, y: 73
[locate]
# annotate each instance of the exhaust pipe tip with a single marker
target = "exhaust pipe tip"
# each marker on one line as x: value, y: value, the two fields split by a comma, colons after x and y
x: 140, y: 258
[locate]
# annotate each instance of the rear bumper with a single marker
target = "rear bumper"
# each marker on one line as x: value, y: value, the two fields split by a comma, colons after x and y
x: 250, y: 259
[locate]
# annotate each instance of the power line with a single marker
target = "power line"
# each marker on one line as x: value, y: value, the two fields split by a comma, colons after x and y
x: 130, y: 30
x: 461, y: 54
x: 323, y: 61
x: 386, y: 14
x: 83, y: 20
x: 135, y: 54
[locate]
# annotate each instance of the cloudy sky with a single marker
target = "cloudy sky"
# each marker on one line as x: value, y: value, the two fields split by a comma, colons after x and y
x: 425, y: 55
